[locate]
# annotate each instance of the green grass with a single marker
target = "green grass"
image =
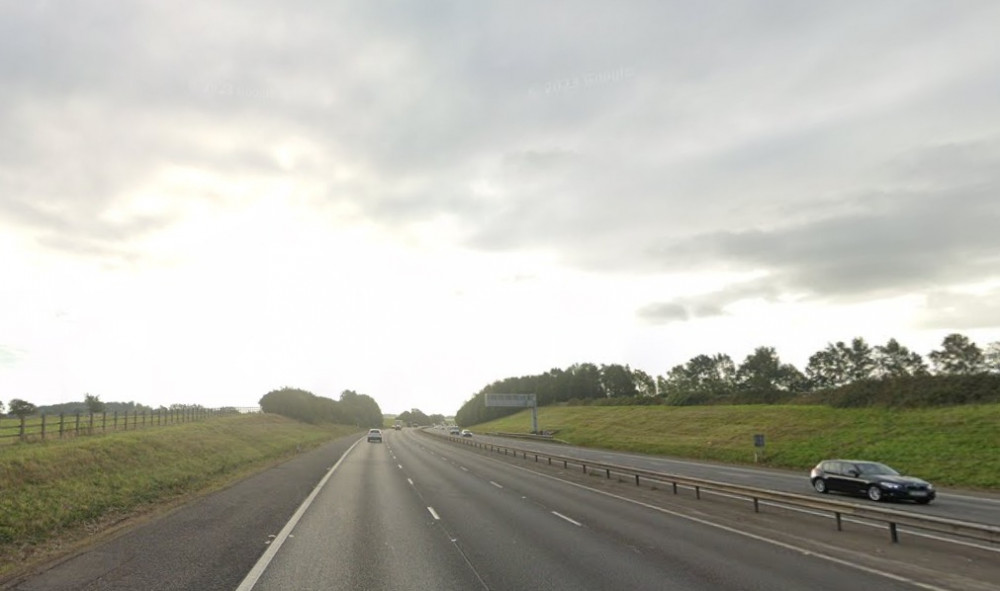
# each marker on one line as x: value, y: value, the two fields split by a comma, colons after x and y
x: 953, y: 446
x: 57, y: 491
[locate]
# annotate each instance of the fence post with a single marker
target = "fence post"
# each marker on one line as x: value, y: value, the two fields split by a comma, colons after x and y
x: 91, y: 428
x: 62, y: 424
x: 20, y: 433
x: 43, y: 426
x: 76, y: 432
x: 104, y: 422
x: 116, y: 421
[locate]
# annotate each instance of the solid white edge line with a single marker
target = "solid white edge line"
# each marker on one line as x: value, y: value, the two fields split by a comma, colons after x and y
x: 573, y: 521
x: 258, y: 569
x: 434, y: 513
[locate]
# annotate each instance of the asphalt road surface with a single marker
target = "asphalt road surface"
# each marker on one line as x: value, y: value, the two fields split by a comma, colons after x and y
x: 966, y: 506
x: 418, y: 513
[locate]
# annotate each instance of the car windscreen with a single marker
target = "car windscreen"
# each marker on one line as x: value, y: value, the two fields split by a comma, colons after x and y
x: 875, y: 468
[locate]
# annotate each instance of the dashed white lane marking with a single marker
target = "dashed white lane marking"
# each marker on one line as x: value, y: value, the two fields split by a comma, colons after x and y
x: 434, y: 513
x: 410, y: 480
x: 400, y: 466
x: 496, y: 484
x: 573, y: 521
x: 464, y: 469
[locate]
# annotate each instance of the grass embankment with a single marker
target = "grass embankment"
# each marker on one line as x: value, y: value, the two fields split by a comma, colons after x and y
x: 55, y: 493
x: 954, y: 446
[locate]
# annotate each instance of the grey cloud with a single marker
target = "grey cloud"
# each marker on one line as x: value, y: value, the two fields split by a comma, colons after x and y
x: 758, y: 116
x: 961, y: 311
x: 709, y: 304
x: 10, y: 356
x: 664, y: 312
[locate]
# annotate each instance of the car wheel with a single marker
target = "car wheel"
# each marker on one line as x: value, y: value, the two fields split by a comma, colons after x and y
x: 820, y: 485
x: 875, y: 493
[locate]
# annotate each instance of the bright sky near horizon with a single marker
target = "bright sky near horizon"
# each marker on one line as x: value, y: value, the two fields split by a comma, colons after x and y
x: 203, y: 203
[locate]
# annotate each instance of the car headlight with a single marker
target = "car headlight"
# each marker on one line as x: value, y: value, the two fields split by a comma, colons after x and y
x: 893, y: 485
x: 930, y: 487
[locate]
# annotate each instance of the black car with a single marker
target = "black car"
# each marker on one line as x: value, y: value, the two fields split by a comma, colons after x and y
x: 876, y: 481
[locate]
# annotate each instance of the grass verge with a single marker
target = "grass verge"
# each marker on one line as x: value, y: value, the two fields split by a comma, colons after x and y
x: 56, y: 494
x: 952, y: 446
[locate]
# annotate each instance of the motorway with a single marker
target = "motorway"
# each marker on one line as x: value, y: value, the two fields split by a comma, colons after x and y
x: 420, y: 513
x: 973, y: 507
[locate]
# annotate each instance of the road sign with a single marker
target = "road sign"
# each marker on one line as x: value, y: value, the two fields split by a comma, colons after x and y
x: 758, y: 441
x: 516, y: 401
x: 511, y: 400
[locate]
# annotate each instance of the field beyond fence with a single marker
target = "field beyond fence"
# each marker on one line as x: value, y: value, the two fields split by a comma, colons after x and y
x: 65, y: 425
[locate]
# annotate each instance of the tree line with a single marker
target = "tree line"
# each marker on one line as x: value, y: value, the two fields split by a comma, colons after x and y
x: 415, y: 416
x: 841, y: 374
x: 351, y: 409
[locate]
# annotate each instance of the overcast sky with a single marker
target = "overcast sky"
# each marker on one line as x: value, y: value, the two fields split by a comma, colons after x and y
x: 202, y: 203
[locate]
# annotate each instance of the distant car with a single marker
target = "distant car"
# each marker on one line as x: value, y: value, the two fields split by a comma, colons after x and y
x: 374, y: 435
x: 872, y: 479
x: 454, y: 431
x: 466, y: 433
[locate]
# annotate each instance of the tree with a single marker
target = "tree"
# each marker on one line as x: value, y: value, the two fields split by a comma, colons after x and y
x: 617, y: 381
x: 21, y: 408
x: 94, y: 404
x: 958, y: 356
x: 1, y: 407
x: 416, y: 417
x: 839, y: 364
x: 893, y: 360
x: 703, y: 379
x: 645, y: 385
x: 762, y: 377
x: 991, y: 359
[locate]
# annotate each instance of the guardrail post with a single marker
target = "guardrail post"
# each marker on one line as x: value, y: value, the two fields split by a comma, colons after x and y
x: 584, y: 468
x: 536, y: 458
x: 840, y: 526
x: 675, y: 487
x: 697, y: 492
x: 550, y: 461
x: 637, y: 480
x: 756, y: 505
x: 608, y: 470
x: 565, y: 464
x: 893, y: 533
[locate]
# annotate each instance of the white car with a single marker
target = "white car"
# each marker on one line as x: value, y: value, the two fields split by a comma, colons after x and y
x: 375, y: 435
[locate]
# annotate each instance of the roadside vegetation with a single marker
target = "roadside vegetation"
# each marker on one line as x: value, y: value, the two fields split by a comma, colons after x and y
x: 842, y: 375
x: 951, y: 446
x: 56, y: 493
